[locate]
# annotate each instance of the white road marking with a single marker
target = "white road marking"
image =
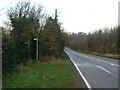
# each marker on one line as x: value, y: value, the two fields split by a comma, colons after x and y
x: 107, y: 62
x: 99, y: 60
x: 106, y: 71
x: 86, y: 82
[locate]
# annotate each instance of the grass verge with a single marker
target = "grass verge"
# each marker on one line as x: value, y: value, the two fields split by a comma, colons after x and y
x: 59, y: 73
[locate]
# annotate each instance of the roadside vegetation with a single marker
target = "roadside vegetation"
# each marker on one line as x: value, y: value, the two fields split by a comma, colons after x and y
x: 57, y: 73
x: 30, y: 33
x: 103, y: 42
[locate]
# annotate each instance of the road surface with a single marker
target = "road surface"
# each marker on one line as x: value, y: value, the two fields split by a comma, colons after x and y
x: 96, y: 71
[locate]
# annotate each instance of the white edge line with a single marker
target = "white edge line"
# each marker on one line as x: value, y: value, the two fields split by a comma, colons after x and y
x: 86, y: 82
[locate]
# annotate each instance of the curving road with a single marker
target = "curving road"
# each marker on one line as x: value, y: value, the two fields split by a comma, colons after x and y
x: 96, y: 71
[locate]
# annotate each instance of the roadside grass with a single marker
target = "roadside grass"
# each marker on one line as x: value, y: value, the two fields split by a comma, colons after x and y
x: 102, y: 55
x: 59, y: 73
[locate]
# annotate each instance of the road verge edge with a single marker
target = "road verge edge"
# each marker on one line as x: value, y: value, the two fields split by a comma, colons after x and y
x: 84, y: 79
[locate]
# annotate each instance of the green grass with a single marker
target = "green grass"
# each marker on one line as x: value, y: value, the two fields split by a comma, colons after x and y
x: 59, y: 73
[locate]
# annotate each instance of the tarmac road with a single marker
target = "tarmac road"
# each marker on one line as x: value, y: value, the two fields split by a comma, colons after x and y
x: 96, y: 71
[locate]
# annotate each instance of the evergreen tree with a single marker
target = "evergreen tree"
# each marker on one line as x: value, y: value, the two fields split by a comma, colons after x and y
x: 51, y: 38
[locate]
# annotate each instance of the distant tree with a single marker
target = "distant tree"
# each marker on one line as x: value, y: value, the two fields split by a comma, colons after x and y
x: 118, y: 34
x: 100, y: 41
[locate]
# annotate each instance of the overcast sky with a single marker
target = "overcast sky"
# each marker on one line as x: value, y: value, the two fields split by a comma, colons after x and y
x: 76, y: 15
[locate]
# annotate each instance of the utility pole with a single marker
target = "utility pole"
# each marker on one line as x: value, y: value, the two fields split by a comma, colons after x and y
x: 55, y: 14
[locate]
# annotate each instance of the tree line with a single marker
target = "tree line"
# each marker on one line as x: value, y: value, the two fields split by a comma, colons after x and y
x: 29, y: 23
x: 103, y: 41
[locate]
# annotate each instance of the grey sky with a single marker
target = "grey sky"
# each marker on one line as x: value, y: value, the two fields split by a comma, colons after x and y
x: 77, y: 15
